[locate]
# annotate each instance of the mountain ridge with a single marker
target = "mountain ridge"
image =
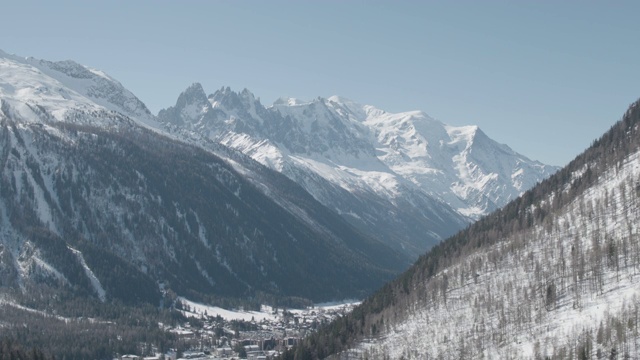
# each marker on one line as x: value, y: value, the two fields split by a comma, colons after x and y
x: 106, y: 208
x: 324, y: 145
x: 63, y: 86
x: 376, y: 156
x: 75, y: 183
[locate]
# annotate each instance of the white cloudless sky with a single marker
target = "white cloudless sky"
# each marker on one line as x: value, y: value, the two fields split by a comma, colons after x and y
x: 544, y: 77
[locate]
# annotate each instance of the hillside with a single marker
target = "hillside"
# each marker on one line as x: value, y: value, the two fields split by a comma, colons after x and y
x: 554, y: 274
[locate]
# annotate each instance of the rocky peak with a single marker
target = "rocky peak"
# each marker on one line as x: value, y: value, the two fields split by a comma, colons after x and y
x: 229, y: 100
x: 191, y: 105
x: 193, y: 94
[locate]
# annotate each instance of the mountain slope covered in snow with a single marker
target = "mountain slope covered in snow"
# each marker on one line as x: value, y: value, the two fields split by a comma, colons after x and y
x: 65, y: 91
x: 554, y: 274
x: 406, y: 178
x: 96, y: 201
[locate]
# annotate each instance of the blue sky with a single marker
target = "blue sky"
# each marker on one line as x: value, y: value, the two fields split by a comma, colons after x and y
x: 544, y: 77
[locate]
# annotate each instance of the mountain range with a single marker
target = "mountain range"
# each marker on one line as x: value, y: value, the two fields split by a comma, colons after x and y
x: 222, y: 196
x: 97, y: 200
x: 405, y: 178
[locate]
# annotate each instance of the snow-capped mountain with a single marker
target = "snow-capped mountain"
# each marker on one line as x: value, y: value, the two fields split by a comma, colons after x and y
x: 67, y: 132
x: 553, y: 274
x: 460, y: 166
x: 406, y: 177
x: 60, y: 90
x: 96, y: 200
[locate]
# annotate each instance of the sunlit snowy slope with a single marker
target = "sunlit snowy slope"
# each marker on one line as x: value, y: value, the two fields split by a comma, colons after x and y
x: 58, y: 90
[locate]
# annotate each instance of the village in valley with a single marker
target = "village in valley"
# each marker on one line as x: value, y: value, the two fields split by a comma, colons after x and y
x: 215, y: 333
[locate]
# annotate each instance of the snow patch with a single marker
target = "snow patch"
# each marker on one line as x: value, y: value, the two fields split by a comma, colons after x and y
x: 95, y: 282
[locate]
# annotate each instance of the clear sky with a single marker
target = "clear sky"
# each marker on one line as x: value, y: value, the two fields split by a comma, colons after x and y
x: 544, y: 77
